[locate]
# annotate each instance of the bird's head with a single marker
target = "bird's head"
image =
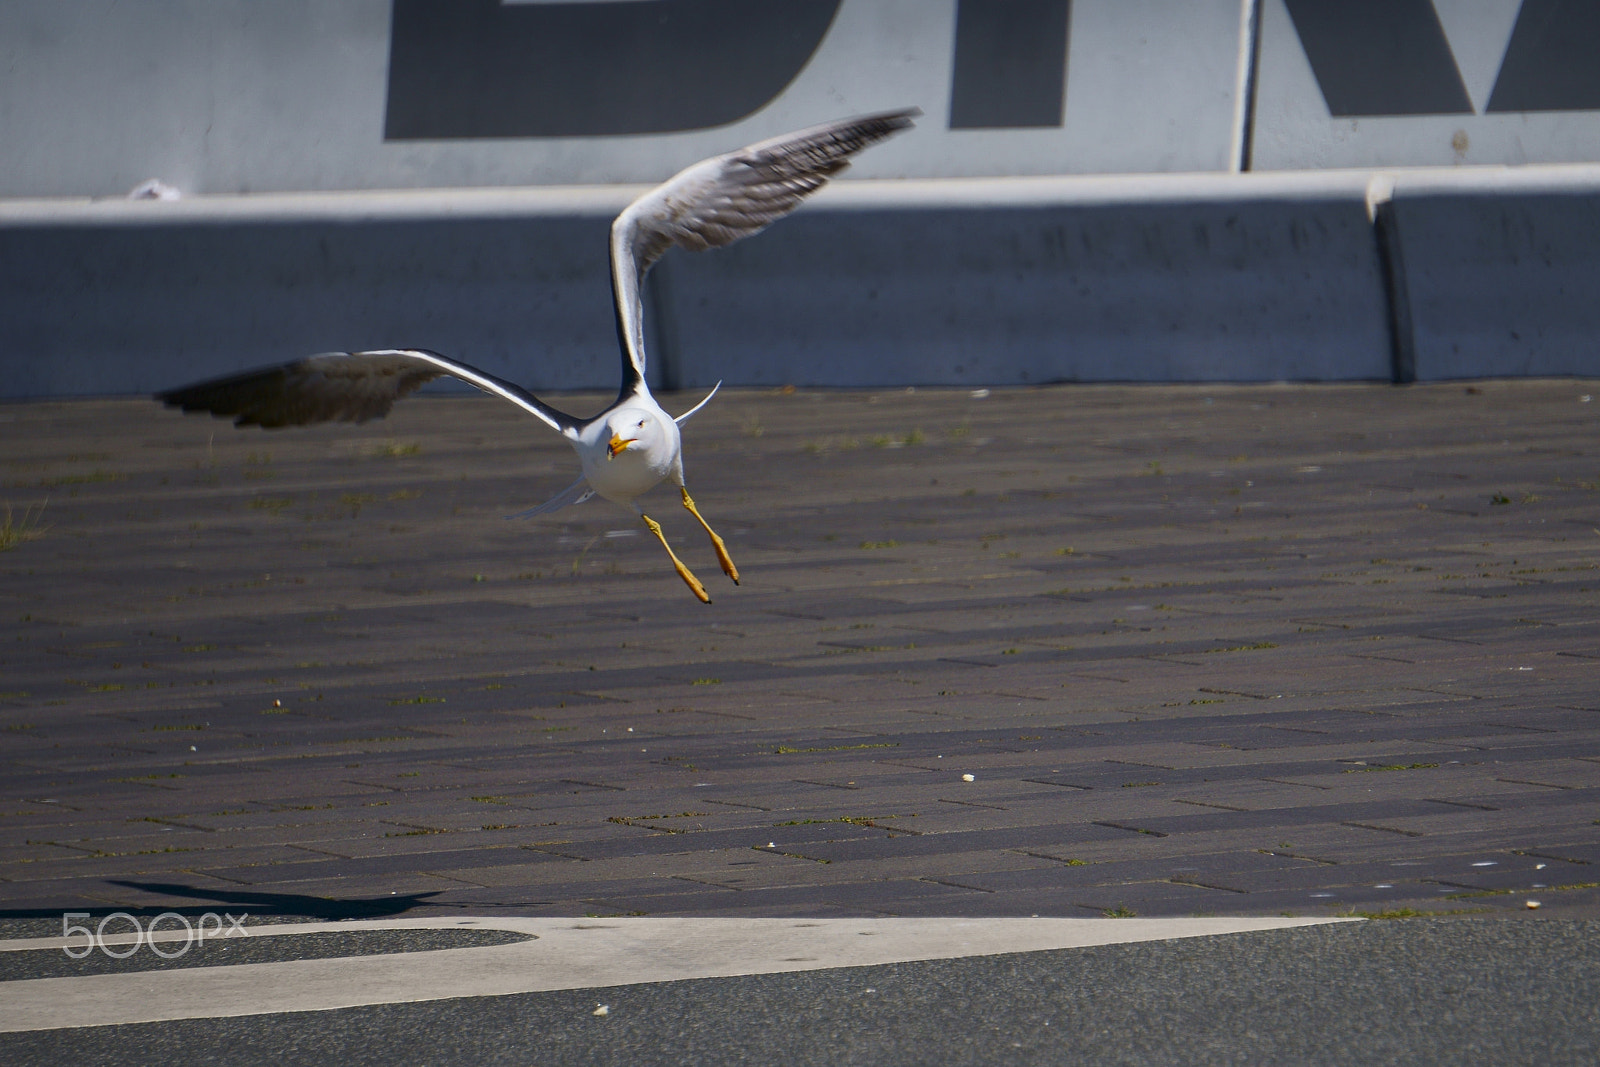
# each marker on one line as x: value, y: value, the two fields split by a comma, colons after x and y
x: 631, y: 429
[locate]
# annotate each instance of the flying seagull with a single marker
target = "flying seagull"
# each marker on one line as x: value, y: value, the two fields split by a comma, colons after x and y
x: 633, y: 445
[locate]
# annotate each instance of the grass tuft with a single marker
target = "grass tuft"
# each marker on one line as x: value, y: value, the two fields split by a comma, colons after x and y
x: 1408, y: 913
x: 396, y: 450
x: 14, y: 531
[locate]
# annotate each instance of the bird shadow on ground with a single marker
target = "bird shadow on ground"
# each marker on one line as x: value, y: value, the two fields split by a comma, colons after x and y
x: 258, y: 904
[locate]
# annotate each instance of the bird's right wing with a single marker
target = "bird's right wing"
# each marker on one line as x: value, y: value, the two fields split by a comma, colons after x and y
x: 719, y: 200
x: 344, y: 387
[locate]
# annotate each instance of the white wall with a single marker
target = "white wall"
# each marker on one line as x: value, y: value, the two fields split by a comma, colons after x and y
x: 240, y: 96
x: 1295, y: 127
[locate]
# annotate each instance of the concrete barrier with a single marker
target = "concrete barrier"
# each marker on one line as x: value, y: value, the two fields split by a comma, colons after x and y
x: 1154, y: 278
x: 128, y: 297
x: 1501, y: 271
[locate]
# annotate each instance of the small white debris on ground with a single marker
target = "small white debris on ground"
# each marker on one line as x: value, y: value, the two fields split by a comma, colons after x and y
x: 604, y: 1009
x: 154, y: 189
x: 969, y: 778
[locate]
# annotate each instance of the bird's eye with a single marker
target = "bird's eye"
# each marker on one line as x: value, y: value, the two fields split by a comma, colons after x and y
x: 641, y: 424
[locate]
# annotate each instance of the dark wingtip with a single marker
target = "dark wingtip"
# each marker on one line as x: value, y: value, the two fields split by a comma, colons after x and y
x: 184, y: 401
x: 900, y: 119
x: 175, y: 398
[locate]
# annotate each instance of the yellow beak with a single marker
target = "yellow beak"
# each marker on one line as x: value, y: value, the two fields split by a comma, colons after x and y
x: 617, y: 445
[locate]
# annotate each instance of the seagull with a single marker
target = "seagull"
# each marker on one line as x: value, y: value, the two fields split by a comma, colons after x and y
x: 633, y: 445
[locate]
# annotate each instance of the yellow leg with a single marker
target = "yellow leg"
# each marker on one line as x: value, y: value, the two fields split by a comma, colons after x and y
x: 716, y: 542
x: 683, y: 572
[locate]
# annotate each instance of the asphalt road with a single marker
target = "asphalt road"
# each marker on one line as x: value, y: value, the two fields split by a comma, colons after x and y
x: 1439, y: 991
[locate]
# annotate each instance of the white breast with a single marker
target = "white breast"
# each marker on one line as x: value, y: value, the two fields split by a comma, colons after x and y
x: 634, y: 471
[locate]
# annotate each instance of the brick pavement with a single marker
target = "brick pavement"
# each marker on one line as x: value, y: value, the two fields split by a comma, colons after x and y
x: 1210, y: 650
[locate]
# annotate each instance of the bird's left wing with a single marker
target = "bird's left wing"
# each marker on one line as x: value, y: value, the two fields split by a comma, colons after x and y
x: 719, y: 200
x: 344, y: 387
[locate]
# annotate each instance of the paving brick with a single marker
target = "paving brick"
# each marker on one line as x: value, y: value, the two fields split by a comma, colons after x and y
x: 399, y: 702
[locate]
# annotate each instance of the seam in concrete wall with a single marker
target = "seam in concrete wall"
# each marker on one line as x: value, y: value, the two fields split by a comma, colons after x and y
x: 1245, y: 91
x: 1392, y: 264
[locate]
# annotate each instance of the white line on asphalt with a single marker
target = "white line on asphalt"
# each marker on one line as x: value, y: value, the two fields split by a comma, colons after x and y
x: 566, y: 954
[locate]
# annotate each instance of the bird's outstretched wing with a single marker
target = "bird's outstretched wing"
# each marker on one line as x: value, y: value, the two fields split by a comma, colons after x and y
x: 719, y: 200
x: 344, y: 387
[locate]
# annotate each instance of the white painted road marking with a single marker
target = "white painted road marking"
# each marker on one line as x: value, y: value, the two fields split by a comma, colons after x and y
x: 567, y: 954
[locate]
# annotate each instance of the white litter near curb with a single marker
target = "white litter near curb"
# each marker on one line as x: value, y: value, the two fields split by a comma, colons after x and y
x: 566, y: 954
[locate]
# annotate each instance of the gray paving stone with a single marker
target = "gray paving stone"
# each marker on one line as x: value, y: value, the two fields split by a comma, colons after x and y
x: 1248, y: 595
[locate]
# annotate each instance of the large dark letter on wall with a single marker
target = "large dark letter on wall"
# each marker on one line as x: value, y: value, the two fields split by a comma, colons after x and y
x: 1553, y: 61
x: 1010, y: 66
x: 1380, y: 57
x: 477, y: 68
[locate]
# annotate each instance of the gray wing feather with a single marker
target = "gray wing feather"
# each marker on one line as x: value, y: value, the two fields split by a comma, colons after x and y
x: 342, y: 387
x: 743, y: 192
x: 720, y: 200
